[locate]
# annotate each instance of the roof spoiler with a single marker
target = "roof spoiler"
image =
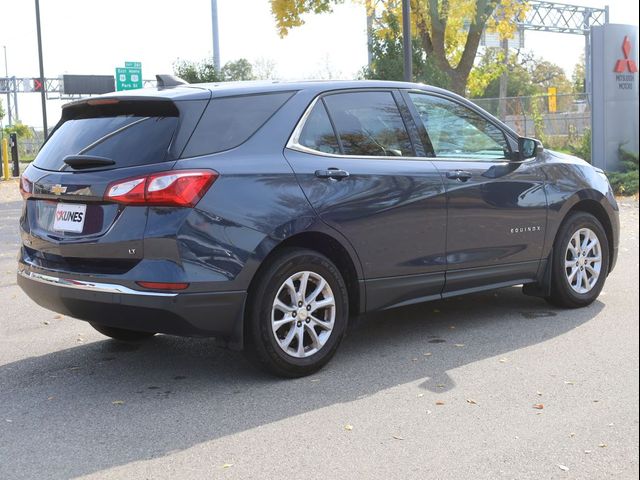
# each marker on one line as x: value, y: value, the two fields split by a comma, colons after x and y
x: 164, y: 80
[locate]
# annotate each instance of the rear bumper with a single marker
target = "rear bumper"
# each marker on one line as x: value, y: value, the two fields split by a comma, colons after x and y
x: 217, y: 314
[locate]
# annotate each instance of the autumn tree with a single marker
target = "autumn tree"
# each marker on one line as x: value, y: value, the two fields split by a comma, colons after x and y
x: 448, y: 31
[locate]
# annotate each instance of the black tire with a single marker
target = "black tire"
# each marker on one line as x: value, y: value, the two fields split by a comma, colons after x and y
x: 261, y: 345
x: 122, y: 334
x: 562, y: 295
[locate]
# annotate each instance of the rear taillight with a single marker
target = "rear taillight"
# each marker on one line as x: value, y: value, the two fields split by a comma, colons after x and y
x: 163, y: 285
x: 26, y: 187
x: 177, y: 188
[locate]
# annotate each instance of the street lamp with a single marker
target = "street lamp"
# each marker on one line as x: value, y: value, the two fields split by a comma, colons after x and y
x: 43, y: 96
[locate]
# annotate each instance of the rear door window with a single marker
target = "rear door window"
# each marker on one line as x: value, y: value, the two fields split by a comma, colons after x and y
x: 229, y: 121
x: 369, y: 124
x: 128, y: 140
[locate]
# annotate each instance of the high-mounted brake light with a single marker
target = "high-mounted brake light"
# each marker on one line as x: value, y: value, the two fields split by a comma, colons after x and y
x: 103, y: 101
x: 176, y: 188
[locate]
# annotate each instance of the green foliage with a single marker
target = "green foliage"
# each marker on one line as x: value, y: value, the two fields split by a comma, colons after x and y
x: 20, y: 129
x: 625, y: 182
x: 582, y: 148
x: 578, y: 75
x: 2, y: 114
x: 388, y: 59
x: 527, y: 76
x: 204, y: 71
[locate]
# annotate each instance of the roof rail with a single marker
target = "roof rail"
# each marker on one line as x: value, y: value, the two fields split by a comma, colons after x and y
x: 165, y: 80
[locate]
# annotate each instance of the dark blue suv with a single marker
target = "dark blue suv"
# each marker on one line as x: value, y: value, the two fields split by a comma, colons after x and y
x: 269, y: 214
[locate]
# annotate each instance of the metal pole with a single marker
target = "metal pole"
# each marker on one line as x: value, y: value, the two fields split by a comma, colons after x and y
x: 6, y: 74
x: 406, y: 41
x: 43, y: 96
x: 216, y: 36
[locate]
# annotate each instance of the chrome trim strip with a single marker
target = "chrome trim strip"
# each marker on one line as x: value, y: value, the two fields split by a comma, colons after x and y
x: 92, y: 286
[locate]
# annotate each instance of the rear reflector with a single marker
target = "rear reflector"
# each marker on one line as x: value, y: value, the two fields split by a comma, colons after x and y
x: 163, y: 285
x: 176, y: 188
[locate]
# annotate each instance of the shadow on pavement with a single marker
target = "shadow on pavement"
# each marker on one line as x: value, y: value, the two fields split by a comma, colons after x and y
x: 179, y: 392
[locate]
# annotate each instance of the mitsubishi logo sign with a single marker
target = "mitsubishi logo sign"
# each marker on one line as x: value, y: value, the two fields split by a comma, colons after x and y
x: 626, y: 63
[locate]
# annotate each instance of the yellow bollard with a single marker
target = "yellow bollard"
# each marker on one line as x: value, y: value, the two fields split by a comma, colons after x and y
x: 5, y: 158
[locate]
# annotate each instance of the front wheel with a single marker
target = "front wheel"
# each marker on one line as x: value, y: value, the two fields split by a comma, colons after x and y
x: 580, y: 262
x: 297, y: 313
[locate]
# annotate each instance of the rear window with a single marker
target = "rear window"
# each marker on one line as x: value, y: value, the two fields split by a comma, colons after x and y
x: 128, y: 140
x: 230, y: 121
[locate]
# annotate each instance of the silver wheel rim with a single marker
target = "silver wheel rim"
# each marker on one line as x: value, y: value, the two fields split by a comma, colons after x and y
x: 303, y: 314
x: 583, y: 261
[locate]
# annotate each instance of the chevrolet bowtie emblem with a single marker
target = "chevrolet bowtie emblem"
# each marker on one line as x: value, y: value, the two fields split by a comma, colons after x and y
x: 57, y: 189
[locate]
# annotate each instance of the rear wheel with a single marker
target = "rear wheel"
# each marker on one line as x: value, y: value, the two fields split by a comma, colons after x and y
x: 580, y: 261
x: 122, y: 334
x: 297, y: 313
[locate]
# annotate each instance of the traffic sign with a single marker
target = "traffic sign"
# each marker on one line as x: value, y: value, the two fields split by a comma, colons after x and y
x: 129, y: 77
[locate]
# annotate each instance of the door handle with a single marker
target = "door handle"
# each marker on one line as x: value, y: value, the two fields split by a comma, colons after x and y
x: 335, y: 173
x: 461, y: 175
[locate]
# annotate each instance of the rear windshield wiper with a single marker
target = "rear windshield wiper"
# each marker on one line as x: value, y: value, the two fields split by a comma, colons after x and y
x: 87, y: 161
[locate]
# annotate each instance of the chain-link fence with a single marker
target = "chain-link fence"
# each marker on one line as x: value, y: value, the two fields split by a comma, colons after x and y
x: 559, y: 118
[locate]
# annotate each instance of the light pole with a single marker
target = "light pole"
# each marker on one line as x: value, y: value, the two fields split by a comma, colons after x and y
x: 43, y: 95
x: 6, y: 74
x: 406, y: 41
x: 216, y: 36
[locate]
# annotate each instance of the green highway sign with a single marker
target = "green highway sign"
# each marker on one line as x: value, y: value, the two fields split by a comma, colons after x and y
x: 129, y: 77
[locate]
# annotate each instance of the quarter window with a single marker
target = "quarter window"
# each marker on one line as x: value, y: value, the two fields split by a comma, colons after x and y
x: 318, y: 133
x: 369, y: 124
x: 456, y: 131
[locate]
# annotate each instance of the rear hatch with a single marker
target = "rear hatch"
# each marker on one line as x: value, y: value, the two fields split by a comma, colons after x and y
x: 67, y: 223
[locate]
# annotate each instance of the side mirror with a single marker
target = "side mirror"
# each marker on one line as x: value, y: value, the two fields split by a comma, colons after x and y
x: 529, y: 148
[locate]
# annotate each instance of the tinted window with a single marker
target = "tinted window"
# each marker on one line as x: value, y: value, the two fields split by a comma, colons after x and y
x: 457, y: 131
x: 318, y: 133
x: 230, y: 121
x: 369, y: 124
x: 127, y: 139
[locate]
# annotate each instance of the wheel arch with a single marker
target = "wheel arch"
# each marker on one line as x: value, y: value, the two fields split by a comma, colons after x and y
x: 330, y: 247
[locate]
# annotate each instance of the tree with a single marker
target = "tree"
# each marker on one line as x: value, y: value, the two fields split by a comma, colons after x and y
x: 388, y: 60
x: 20, y: 129
x: 448, y: 31
x: 578, y: 76
x: 2, y: 114
x: 240, y: 69
x: 204, y: 71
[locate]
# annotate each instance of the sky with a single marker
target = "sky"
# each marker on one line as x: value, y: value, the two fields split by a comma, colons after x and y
x: 96, y: 36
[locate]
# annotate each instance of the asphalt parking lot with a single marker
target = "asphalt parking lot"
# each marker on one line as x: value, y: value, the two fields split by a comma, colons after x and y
x: 442, y: 390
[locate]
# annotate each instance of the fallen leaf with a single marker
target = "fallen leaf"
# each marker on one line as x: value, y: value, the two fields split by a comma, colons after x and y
x: 118, y: 402
x: 428, y: 412
x: 46, y: 322
x: 227, y: 465
x: 587, y: 451
x: 398, y: 437
x: 420, y: 395
x: 472, y: 401
x: 504, y: 360
x: 563, y: 468
x: 440, y: 385
x: 602, y: 445
x: 427, y: 354
x: 568, y: 382
x: 313, y: 380
x: 57, y: 316
x: 459, y: 344
x: 50, y: 398
x: 538, y: 406
x: 348, y: 427
x: 439, y: 402
x: 610, y: 425
x: 596, y: 401
x: 572, y: 434
x: 539, y: 393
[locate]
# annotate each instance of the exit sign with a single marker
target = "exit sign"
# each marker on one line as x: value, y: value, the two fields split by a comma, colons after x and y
x: 129, y: 77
